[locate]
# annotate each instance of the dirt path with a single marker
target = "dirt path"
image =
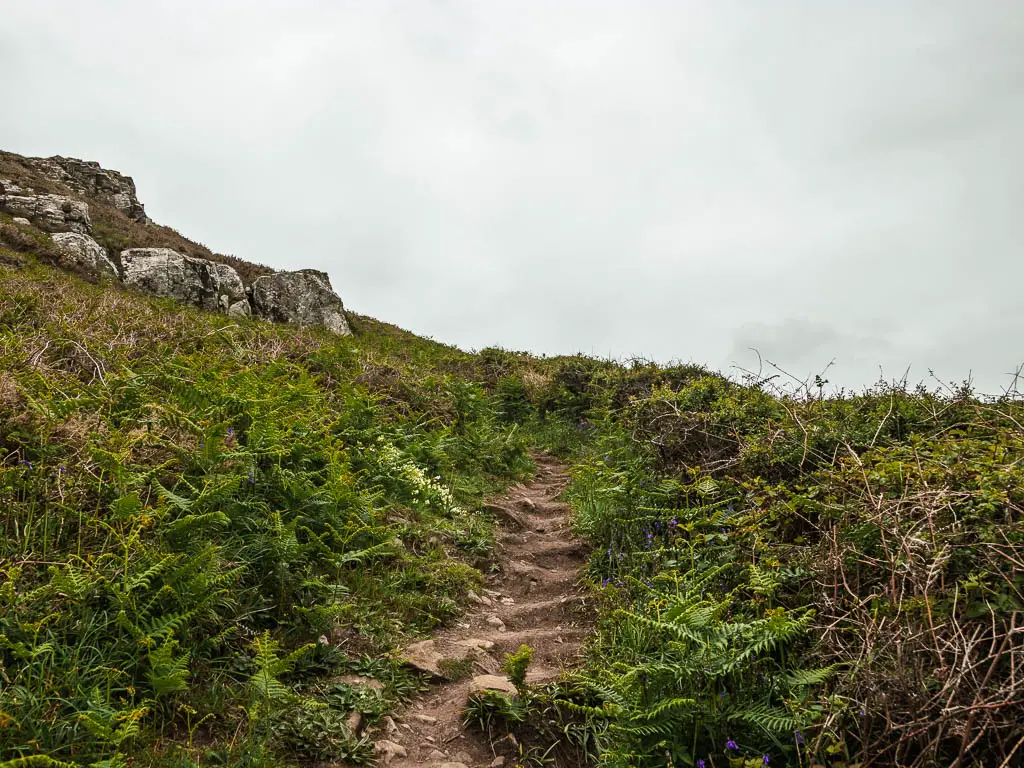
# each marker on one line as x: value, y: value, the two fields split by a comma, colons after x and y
x: 532, y: 599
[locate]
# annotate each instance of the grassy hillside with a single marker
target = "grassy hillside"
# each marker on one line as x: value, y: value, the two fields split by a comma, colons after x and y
x: 209, y: 525
x: 190, y: 503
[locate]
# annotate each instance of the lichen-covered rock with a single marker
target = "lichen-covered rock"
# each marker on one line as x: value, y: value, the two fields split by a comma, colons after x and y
x: 80, y: 252
x: 88, y: 178
x: 491, y: 683
x: 201, y: 283
x: 304, y: 297
x: 53, y: 213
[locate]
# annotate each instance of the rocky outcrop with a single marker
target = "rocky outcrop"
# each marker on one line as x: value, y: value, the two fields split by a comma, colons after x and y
x: 304, y: 297
x: 80, y: 253
x: 90, y: 179
x: 201, y: 283
x: 52, y: 213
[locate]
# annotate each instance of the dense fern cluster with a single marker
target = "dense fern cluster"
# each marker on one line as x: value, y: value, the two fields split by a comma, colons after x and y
x: 794, y: 578
x: 201, y: 519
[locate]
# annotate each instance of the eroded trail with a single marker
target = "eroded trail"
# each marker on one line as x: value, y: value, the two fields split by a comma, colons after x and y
x: 532, y: 599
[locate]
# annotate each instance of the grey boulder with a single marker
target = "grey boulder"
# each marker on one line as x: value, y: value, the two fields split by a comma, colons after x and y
x: 205, y: 284
x: 80, y: 252
x: 304, y: 297
x: 53, y: 213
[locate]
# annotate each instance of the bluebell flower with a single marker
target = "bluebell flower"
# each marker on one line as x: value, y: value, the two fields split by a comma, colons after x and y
x: 730, y: 744
x: 252, y: 477
x: 799, y: 738
x: 605, y: 582
x: 701, y: 764
x: 765, y: 759
x: 673, y: 523
x: 26, y: 463
x: 62, y: 468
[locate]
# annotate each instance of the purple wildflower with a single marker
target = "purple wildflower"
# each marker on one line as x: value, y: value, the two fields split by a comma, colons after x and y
x: 252, y: 477
x: 701, y: 764
x: 730, y: 744
x: 799, y: 738
x: 765, y: 759
x: 26, y: 463
x: 605, y: 582
x: 62, y: 468
x: 673, y: 523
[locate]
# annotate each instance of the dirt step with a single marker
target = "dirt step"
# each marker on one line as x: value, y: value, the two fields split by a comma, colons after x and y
x: 525, y: 578
x: 547, y: 554
x: 555, y: 610
x: 551, y: 647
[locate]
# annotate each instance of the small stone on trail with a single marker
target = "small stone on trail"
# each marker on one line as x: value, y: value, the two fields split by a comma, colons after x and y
x: 390, y: 728
x: 473, y: 597
x: 497, y: 623
x: 491, y: 683
x: 436, y: 755
x: 423, y: 656
x: 498, y: 762
x: 359, y: 681
x: 425, y: 719
x: 354, y: 723
x: 389, y: 750
x: 508, y: 601
x: 463, y: 757
x: 475, y: 642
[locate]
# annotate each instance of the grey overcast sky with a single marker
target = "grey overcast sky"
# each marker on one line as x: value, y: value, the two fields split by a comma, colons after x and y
x: 679, y: 180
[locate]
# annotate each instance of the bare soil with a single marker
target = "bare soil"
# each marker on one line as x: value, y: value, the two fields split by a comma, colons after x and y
x: 534, y: 595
